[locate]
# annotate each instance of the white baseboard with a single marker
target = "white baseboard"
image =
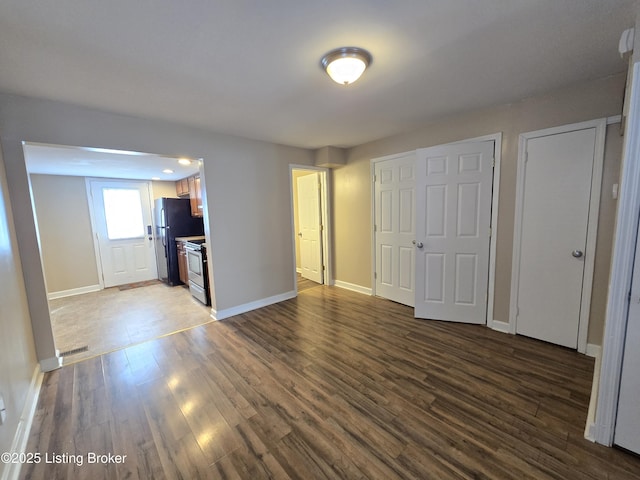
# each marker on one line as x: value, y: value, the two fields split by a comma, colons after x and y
x: 298, y: 270
x: 74, y: 291
x: 52, y: 363
x: 353, y: 287
x: 500, y: 326
x: 247, y: 307
x: 594, y: 351
x: 12, y: 470
x: 590, y: 427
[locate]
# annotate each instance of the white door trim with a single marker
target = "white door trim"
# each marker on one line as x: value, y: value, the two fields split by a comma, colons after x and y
x: 600, y: 126
x: 621, y: 273
x: 326, y: 222
x: 497, y: 153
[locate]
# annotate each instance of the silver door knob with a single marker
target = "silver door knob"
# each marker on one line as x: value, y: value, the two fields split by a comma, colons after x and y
x: 300, y: 234
x: 577, y: 253
x: 417, y: 244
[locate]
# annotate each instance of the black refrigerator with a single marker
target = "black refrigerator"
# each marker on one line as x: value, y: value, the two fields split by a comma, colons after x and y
x: 173, y: 219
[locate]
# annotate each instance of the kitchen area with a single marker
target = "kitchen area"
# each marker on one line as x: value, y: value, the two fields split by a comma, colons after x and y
x: 181, y: 248
x: 89, y: 315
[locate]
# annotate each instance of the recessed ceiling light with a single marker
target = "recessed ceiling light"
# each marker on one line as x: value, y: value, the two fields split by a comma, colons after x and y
x: 167, y: 170
x: 345, y: 65
x: 184, y: 161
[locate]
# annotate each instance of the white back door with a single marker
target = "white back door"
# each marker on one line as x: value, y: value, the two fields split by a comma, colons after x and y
x: 394, y: 206
x: 122, y: 217
x: 555, y: 215
x: 310, y: 227
x: 453, y: 218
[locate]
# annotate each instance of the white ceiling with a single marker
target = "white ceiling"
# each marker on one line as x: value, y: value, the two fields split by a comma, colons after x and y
x: 89, y: 162
x: 251, y: 68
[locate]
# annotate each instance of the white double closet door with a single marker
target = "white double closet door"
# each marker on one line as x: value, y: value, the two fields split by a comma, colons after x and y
x: 432, y: 230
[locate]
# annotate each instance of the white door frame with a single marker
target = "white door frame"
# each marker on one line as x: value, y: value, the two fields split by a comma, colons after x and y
x: 325, y: 213
x: 600, y: 126
x: 497, y: 154
x: 621, y: 273
x: 92, y: 217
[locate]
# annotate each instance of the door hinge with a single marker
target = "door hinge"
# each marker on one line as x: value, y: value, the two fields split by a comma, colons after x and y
x: 375, y: 228
x: 490, y: 232
x: 493, y: 162
x: 375, y: 274
x: 323, y: 268
x: 526, y: 156
x: 375, y: 178
x: 517, y: 312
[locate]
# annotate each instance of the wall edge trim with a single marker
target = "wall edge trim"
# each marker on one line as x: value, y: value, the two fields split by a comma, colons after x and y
x: 247, y: 307
x: 73, y: 291
x: 353, y: 287
x: 19, y: 445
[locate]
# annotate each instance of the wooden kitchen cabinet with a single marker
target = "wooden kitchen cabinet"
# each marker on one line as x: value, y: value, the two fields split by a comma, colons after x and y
x: 183, y: 267
x: 195, y: 195
x: 182, y: 187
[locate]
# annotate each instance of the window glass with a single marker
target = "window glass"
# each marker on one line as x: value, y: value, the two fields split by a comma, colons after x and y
x: 123, y: 212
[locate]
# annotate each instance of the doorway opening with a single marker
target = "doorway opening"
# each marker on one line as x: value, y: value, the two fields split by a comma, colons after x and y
x: 101, y: 271
x: 311, y: 223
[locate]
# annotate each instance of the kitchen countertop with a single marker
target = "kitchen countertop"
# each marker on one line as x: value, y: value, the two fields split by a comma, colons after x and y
x: 187, y: 239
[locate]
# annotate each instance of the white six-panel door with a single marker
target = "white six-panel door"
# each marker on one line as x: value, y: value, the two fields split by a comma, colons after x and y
x: 453, y: 219
x: 395, y: 228
x: 310, y: 227
x: 121, y: 212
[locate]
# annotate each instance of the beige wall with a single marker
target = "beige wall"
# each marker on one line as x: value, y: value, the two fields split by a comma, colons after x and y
x: 17, y: 353
x: 164, y: 189
x: 606, y: 229
x: 64, y: 226
x: 352, y: 183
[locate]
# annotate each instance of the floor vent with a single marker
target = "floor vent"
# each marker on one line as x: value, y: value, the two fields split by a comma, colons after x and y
x: 75, y: 351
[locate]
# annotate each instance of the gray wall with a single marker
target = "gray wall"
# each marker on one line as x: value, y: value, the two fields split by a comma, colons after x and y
x: 352, y: 183
x: 64, y: 226
x: 17, y: 352
x: 247, y: 202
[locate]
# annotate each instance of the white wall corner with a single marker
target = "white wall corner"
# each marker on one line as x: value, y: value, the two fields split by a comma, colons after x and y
x: 12, y: 470
x: 353, y: 287
x: 247, y: 307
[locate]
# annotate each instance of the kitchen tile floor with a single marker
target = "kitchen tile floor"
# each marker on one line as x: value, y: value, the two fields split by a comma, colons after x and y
x: 113, y: 319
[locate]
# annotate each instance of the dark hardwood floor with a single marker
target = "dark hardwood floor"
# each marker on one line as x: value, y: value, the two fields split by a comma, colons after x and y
x: 332, y: 384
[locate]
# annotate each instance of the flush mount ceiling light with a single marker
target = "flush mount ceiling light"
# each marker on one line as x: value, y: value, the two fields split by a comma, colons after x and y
x: 345, y: 65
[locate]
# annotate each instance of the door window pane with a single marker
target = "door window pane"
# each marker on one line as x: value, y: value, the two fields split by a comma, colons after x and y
x: 123, y: 212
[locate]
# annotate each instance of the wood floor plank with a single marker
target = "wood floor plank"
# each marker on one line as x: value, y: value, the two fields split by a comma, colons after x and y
x: 331, y: 384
